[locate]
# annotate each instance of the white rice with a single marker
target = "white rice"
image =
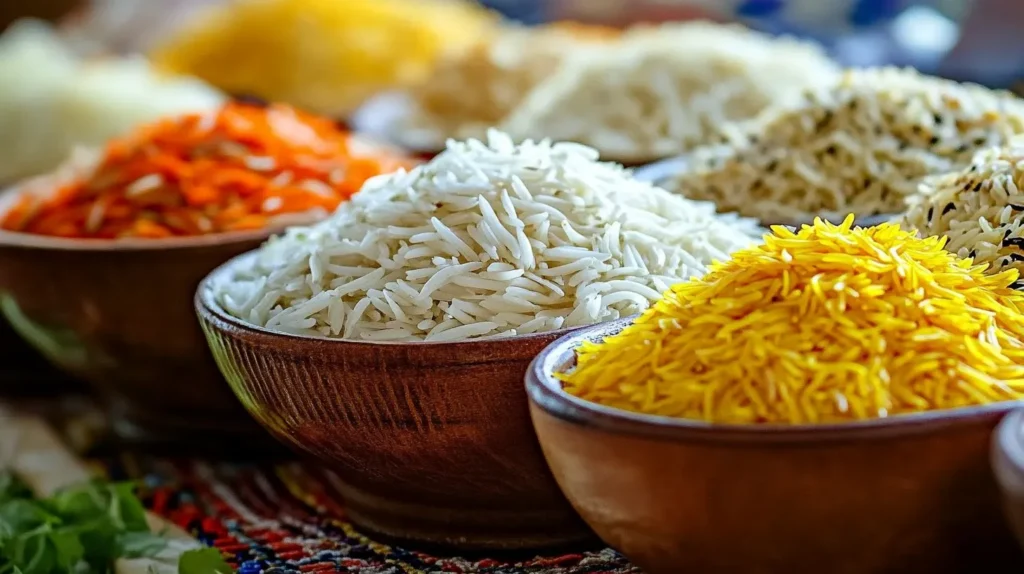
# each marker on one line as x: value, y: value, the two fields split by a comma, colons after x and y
x: 861, y: 145
x: 484, y: 240
x: 980, y: 209
x: 664, y: 90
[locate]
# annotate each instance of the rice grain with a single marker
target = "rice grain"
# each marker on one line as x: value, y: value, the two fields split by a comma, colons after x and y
x: 410, y: 259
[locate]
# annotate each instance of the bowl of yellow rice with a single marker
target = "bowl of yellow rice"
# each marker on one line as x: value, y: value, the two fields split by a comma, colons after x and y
x: 823, y: 402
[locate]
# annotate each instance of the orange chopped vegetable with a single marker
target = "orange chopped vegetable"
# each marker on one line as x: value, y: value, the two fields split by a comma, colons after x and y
x: 234, y: 169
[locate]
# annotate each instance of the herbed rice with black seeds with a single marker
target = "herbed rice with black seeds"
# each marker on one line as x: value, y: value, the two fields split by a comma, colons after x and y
x: 862, y: 146
x: 486, y: 239
x: 980, y: 209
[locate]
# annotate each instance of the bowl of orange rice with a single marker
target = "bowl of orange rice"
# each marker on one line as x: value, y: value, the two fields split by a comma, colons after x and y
x: 99, y: 260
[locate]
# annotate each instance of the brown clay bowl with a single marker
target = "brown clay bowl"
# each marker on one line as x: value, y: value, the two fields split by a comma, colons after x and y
x: 119, y: 315
x: 908, y: 494
x: 1008, y: 464
x: 431, y: 442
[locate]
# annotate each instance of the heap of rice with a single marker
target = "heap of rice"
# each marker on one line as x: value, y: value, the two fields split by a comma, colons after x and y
x: 861, y: 145
x: 662, y: 91
x: 980, y: 209
x: 471, y: 91
x: 828, y: 324
x: 52, y: 102
x: 485, y: 239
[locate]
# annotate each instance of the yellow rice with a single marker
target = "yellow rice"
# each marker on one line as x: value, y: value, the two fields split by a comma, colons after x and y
x: 827, y: 324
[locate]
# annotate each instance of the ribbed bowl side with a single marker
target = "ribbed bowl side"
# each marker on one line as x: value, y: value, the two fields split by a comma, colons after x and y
x: 430, y: 442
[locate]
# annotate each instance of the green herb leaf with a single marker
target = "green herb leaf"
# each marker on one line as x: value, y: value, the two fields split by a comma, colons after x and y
x: 20, y: 515
x: 203, y: 561
x: 79, y: 530
x: 141, y: 545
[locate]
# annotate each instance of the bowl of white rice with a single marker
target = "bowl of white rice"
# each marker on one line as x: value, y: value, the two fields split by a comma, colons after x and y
x: 391, y: 340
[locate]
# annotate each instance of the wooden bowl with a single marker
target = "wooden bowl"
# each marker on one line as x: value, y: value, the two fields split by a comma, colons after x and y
x: 119, y: 315
x: 431, y: 442
x: 1008, y: 465
x: 912, y: 493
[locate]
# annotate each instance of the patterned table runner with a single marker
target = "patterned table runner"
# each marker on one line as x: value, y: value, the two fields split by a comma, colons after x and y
x: 285, y: 519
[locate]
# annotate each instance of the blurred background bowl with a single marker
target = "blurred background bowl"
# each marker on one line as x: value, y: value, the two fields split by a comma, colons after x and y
x: 431, y: 442
x: 119, y: 315
x: 908, y: 494
x: 1008, y: 464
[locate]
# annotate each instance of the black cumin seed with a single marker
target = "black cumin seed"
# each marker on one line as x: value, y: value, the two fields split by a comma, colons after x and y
x: 934, y: 140
x: 830, y: 150
x: 961, y: 149
x: 977, y: 186
x: 938, y: 119
x: 1017, y: 257
x: 949, y: 207
x: 931, y: 212
x: 1016, y: 207
x: 1013, y: 242
x: 972, y: 254
x: 979, y: 141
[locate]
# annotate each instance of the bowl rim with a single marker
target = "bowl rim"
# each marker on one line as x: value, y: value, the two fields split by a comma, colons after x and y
x: 210, y: 310
x: 33, y: 241
x: 546, y: 393
x: 21, y: 239
x: 1008, y: 442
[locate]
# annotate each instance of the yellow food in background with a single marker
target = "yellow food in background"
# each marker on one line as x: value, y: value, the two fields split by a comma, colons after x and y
x: 828, y: 324
x: 328, y: 56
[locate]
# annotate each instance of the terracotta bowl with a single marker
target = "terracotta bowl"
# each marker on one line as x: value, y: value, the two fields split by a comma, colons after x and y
x: 119, y: 315
x: 1008, y: 464
x: 908, y: 494
x: 431, y: 442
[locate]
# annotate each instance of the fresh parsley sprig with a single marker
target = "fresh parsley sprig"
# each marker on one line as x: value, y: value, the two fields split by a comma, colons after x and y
x: 82, y: 529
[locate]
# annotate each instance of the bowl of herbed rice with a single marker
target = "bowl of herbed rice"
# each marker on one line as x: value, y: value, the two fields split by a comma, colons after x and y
x: 391, y: 340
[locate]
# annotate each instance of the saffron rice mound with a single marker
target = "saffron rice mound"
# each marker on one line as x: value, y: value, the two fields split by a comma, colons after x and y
x: 486, y: 239
x: 980, y: 209
x: 861, y: 145
x: 828, y: 324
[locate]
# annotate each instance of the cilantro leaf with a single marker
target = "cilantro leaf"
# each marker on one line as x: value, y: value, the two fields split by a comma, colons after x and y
x: 140, y: 545
x: 203, y: 561
x: 82, y: 529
